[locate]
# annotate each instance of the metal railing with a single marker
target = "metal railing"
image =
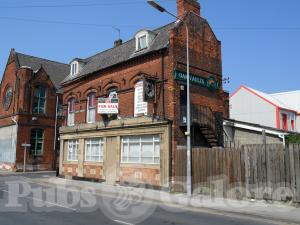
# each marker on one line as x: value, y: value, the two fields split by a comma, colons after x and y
x: 203, y: 116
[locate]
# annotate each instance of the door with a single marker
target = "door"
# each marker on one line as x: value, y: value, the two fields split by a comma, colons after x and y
x: 111, y: 160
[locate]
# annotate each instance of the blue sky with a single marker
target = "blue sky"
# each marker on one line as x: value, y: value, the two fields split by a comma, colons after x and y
x: 260, y: 39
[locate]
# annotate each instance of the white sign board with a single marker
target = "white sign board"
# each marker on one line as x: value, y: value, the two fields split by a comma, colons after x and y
x: 108, y: 106
x: 26, y: 145
x: 140, y: 107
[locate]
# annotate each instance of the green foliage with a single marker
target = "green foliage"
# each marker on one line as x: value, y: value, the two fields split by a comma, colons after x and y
x: 293, y: 139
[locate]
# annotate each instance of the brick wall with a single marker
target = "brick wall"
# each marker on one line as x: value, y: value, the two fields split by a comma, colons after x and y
x: 150, y: 176
x: 23, y: 81
x: 93, y: 171
x: 205, y: 61
x: 124, y: 78
x: 70, y: 170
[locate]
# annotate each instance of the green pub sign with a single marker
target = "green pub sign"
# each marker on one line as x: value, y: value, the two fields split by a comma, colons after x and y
x: 210, y: 83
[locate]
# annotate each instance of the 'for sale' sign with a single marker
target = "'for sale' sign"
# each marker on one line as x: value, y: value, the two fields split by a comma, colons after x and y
x: 108, y: 106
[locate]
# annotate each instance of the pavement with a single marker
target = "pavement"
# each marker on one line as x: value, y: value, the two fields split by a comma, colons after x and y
x: 283, y: 212
x: 60, y: 201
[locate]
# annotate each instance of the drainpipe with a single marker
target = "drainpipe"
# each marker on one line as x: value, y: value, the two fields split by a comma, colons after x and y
x: 283, y: 139
x: 55, y: 132
x: 163, y: 85
x: 16, y: 140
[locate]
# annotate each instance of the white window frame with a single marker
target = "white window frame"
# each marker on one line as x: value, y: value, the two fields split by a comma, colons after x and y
x: 89, y: 110
x: 138, y: 37
x: 100, y: 155
x: 74, y: 68
x: 73, y: 149
x: 126, y: 141
x: 71, y: 115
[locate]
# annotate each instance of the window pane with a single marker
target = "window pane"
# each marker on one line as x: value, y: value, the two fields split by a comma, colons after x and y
x: 142, y: 42
x: 147, y: 138
x: 71, y: 105
x: 70, y: 119
x: 39, y: 100
x: 157, y: 150
x: 91, y: 114
x: 125, y: 152
x: 134, y: 139
x: 36, y: 141
x: 92, y: 100
x: 94, y: 150
x: 71, y: 112
x: 73, y: 150
x: 134, y: 152
x: 141, y: 149
x: 147, y: 152
x: 42, y: 92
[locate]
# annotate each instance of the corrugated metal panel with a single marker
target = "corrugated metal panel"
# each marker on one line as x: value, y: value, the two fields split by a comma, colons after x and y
x: 292, y: 99
x: 8, y: 144
x: 246, y: 106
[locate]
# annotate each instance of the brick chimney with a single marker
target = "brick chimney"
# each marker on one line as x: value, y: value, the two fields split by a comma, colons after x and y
x: 118, y: 42
x: 185, y: 6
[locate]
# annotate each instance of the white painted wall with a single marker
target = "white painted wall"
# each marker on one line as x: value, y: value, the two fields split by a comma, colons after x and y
x: 8, y: 137
x: 248, y: 107
x: 298, y: 123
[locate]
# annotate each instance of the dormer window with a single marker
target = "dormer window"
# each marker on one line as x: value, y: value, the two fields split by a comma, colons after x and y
x: 74, y: 68
x: 142, y: 42
x: 143, y: 39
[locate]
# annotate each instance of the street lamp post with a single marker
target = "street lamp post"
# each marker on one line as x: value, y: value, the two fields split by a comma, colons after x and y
x: 188, y: 108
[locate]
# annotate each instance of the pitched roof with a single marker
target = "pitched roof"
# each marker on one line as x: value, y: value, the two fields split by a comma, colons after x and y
x: 122, y: 53
x: 266, y: 97
x: 57, y: 71
x: 291, y: 98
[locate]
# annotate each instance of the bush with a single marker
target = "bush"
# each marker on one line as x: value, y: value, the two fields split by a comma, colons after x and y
x: 293, y: 139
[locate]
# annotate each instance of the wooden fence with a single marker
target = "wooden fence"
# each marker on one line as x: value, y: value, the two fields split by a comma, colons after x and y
x: 268, y: 172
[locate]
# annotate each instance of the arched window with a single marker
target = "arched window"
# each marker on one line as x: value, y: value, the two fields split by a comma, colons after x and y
x: 71, y: 112
x: 91, y: 108
x: 39, y: 100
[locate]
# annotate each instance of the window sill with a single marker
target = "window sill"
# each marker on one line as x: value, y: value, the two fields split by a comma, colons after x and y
x: 140, y: 165
x: 140, y: 50
x: 71, y: 162
x: 91, y: 163
x: 40, y: 156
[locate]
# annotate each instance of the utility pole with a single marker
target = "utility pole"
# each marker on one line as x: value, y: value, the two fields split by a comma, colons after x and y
x: 188, y: 108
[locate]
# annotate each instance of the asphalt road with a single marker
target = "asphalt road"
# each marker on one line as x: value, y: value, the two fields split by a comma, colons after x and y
x: 26, y: 203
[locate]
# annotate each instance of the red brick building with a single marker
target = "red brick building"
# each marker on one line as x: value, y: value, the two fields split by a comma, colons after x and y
x: 125, y: 108
x: 30, y: 94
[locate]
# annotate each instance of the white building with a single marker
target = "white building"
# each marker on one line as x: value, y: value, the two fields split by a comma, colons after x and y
x: 292, y: 100
x: 252, y: 106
